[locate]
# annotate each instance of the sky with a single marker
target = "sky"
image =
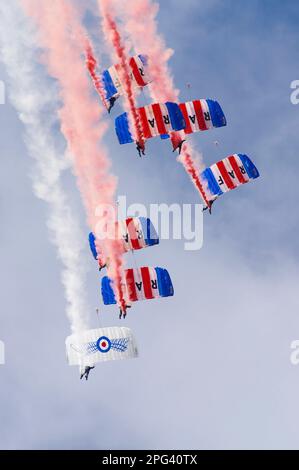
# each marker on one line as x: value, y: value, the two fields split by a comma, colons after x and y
x: 214, y: 370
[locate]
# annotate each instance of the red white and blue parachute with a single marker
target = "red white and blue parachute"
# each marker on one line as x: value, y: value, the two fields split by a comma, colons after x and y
x: 111, y: 78
x: 135, y: 232
x: 199, y: 115
x: 228, y: 174
x: 202, y: 115
x: 156, y: 120
x: 140, y: 284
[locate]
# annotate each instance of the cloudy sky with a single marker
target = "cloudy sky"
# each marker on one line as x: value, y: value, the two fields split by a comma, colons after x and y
x: 214, y: 369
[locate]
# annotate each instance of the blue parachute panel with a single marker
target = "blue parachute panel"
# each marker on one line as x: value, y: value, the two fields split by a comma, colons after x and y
x: 176, y: 116
x: 164, y: 283
x: 165, y: 136
x: 107, y: 291
x: 150, y: 235
x: 217, y: 115
x: 122, y: 129
x: 109, y: 86
x: 92, y: 245
x: 251, y: 169
x: 144, y: 59
x: 213, y: 186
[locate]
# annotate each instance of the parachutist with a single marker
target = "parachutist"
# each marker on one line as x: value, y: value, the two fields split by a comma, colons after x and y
x: 140, y: 148
x: 123, y: 311
x: 86, y: 372
x: 102, y: 266
x: 111, y: 103
x: 179, y: 146
x: 209, y: 207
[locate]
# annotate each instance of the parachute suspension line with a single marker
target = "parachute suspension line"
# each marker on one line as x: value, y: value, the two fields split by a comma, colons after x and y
x: 98, y: 317
x: 134, y: 259
x: 143, y: 97
x: 120, y: 215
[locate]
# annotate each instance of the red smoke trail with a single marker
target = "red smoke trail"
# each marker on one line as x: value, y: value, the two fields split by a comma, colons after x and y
x: 91, y: 64
x: 64, y: 39
x: 140, y: 22
x: 141, y: 25
x: 193, y: 172
x: 112, y: 35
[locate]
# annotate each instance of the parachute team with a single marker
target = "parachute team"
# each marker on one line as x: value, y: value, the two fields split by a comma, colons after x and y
x: 172, y: 121
x: 146, y: 283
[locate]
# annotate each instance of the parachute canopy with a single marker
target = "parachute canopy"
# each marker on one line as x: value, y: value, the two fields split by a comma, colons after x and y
x: 135, y: 232
x: 112, y: 82
x: 201, y: 115
x: 140, y: 284
x: 101, y: 344
x: 156, y: 119
x: 228, y: 174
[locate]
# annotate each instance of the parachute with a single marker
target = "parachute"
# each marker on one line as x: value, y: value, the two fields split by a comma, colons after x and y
x: 201, y: 115
x: 156, y: 120
x: 135, y: 232
x: 111, y: 80
x: 101, y: 344
x: 228, y: 174
x: 140, y: 284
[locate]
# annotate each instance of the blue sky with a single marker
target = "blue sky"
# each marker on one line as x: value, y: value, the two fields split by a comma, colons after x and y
x: 214, y: 369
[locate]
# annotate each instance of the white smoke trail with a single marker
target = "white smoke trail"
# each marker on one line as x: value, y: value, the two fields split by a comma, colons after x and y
x: 35, y: 99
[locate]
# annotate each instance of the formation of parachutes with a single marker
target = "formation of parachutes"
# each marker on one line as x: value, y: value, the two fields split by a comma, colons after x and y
x: 165, y: 120
x: 142, y: 283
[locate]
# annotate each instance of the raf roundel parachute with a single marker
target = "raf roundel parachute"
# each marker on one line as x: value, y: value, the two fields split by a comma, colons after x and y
x: 156, y: 120
x: 101, y: 344
x: 140, y: 284
x: 135, y: 232
x: 202, y: 115
x: 228, y: 174
x: 139, y: 75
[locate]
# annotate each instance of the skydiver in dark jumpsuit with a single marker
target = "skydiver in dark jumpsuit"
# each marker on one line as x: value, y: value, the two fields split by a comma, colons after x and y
x: 111, y: 103
x: 123, y: 312
x: 140, y: 148
x: 179, y: 146
x: 209, y: 206
x: 86, y: 372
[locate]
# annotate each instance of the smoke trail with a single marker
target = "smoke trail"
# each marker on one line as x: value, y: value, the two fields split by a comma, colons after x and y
x: 140, y: 22
x: 34, y: 98
x: 64, y: 39
x: 92, y: 64
x: 113, y: 37
x: 192, y: 171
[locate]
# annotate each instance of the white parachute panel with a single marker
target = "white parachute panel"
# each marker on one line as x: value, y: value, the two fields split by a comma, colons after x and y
x: 101, y: 344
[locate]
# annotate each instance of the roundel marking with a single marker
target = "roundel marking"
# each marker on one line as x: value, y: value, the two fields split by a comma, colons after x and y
x: 103, y: 344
